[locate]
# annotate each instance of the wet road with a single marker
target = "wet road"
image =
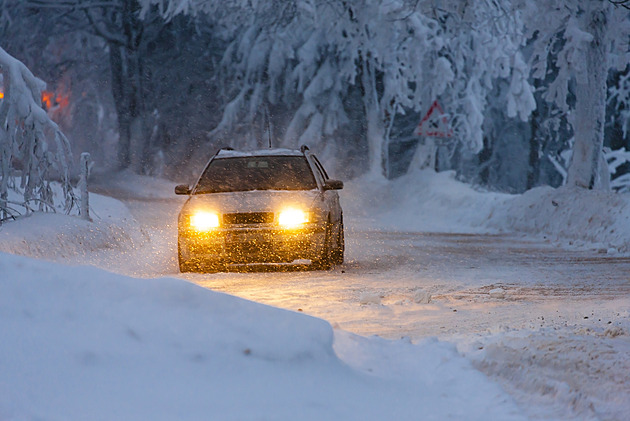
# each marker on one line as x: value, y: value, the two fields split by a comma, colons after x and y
x: 396, y: 284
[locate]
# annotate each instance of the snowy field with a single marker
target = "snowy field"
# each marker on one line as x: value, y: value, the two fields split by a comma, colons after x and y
x: 89, y: 328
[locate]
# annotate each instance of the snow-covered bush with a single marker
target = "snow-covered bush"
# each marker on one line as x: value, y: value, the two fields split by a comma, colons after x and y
x: 33, y: 151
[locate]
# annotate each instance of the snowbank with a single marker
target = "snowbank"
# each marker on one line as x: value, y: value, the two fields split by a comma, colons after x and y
x: 57, y: 236
x: 82, y: 343
x: 585, y: 370
x: 422, y: 201
x: 426, y: 201
x: 569, y: 215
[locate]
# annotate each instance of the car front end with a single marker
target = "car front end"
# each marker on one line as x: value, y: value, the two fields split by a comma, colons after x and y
x: 251, y: 227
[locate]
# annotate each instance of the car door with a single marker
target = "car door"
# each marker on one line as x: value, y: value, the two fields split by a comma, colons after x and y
x: 330, y: 197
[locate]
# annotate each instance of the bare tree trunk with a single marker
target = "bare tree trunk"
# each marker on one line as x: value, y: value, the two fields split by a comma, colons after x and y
x: 127, y: 88
x: 586, y: 169
x: 122, y: 104
x: 375, y: 125
x: 130, y: 109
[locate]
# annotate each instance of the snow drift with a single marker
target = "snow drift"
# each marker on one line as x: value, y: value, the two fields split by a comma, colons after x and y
x: 55, y: 235
x: 425, y: 201
x: 83, y: 343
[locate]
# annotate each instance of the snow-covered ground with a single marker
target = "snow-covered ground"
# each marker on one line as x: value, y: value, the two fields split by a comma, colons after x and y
x: 81, y: 342
x: 427, y: 202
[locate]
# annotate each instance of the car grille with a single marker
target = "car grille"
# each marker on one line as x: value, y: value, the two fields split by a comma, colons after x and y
x: 249, y: 218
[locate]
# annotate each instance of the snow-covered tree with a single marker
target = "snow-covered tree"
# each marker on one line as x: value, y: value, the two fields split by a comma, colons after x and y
x: 31, y: 144
x: 117, y: 23
x: 141, y: 90
x: 75, y: 65
x: 310, y: 56
x: 482, y: 43
x: 584, y: 39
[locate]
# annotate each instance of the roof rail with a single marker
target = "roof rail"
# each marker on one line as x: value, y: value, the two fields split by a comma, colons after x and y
x: 303, y: 148
x: 222, y: 148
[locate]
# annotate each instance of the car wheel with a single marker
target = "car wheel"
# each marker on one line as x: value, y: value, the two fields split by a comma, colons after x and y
x: 340, y: 247
x: 324, y: 262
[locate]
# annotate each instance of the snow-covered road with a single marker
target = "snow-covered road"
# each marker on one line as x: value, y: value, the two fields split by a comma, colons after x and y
x: 397, y: 284
x: 549, y: 324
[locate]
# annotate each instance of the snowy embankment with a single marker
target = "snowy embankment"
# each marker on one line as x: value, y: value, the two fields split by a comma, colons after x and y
x: 79, y: 342
x: 55, y: 236
x: 571, y: 216
x: 424, y: 201
x: 83, y: 343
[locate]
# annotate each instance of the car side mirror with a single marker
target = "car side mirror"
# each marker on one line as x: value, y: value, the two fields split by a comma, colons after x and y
x: 333, y: 185
x: 182, y: 189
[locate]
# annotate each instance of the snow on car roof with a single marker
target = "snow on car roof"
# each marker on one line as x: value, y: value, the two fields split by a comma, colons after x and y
x: 225, y: 153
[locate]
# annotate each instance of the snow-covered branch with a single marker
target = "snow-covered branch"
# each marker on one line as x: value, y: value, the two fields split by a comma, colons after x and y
x: 25, y: 150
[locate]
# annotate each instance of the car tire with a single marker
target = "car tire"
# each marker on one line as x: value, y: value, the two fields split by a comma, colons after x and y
x: 324, y: 262
x: 340, y: 247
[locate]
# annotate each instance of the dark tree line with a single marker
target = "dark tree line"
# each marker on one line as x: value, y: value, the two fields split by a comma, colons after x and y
x: 146, y: 81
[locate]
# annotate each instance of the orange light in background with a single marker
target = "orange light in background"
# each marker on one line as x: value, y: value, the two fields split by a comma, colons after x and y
x: 62, y: 101
x: 49, y: 100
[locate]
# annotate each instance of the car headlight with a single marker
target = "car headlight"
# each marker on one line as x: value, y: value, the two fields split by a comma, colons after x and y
x: 292, y: 218
x: 204, y: 220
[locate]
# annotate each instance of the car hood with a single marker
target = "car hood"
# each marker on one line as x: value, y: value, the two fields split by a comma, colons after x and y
x: 253, y: 201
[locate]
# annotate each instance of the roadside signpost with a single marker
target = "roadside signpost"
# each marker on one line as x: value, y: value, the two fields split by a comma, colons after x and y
x: 434, y: 125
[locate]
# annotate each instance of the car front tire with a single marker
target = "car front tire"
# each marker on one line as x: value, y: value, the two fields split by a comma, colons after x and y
x: 324, y: 262
x: 340, y: 246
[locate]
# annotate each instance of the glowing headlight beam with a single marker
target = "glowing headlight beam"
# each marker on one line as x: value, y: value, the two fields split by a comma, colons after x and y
x: 204, y: 221
x: 291, y: 218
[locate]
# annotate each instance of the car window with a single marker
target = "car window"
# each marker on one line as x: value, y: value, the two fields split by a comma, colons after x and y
x: 256, y: 173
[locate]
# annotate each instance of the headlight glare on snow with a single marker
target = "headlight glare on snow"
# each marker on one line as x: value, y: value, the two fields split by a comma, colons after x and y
x: 204, y: 220
x: 292, y: 218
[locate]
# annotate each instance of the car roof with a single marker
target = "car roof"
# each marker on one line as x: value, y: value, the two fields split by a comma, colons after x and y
x: 227, y: 153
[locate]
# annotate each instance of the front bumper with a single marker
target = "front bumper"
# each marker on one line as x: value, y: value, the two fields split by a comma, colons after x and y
x: 252, y: 245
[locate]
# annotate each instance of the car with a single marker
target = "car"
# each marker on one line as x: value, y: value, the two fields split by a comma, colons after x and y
x: 264, y: 206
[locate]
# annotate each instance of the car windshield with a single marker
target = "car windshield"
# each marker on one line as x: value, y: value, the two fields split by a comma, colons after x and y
x: 256, y: 173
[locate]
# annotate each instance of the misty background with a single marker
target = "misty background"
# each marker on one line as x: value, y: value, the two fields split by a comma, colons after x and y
x: 157, y: 86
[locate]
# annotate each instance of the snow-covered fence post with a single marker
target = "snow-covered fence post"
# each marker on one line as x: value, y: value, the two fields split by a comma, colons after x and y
x: 83, y: 186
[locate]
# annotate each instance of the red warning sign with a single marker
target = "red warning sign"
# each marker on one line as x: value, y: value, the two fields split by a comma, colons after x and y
x: 434, y: 123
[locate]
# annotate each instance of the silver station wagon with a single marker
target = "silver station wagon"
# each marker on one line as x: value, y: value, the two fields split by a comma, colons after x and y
x: 266, y: 206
